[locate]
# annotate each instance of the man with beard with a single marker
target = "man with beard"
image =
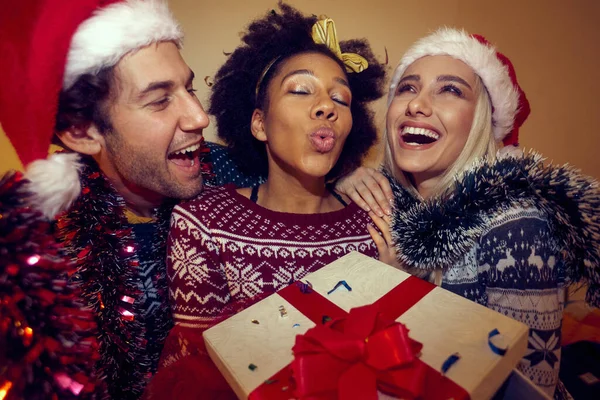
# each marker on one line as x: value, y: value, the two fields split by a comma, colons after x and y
x: 106, y: 80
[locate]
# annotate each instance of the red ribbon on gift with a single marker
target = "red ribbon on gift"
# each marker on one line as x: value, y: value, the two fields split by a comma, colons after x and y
x: 351, y: 358
x: 356, y: 354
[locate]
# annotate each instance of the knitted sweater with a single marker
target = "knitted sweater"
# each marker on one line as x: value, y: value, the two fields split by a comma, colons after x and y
x: 225, y: 170
x: 224, y: 250
x: 510, y: 236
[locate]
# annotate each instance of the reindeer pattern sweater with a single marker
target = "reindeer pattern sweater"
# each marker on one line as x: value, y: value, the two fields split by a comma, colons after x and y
x: 510, y: 236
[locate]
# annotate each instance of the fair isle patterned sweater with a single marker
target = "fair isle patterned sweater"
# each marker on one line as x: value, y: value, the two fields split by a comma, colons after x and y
x: 225, y: 251
x: 511, y: 236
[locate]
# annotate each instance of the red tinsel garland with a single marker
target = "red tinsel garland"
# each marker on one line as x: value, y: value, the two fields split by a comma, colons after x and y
x: 97, y: 235
x: 45, y: 329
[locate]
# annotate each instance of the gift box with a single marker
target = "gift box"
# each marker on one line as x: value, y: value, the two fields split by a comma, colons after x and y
x: 347, y: 324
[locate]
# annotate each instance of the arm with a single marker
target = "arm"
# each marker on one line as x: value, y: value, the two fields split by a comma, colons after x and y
x: 368, y: 188
x: 198, y: 288
x: 198, y: 293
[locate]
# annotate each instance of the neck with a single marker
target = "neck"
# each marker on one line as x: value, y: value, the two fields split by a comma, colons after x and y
x: 285, y: 193
x: 425, y: 184
x: 140, y: 201
x: 141, y: 204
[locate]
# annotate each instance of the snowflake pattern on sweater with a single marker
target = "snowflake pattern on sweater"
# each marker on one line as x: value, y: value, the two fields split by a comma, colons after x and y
x: 514, y: 269
x: 226, y: 250
x: 511, y: 234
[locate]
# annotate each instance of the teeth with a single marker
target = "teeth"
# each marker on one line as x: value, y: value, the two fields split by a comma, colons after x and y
x: 420, y: 131
x: 189, y: 149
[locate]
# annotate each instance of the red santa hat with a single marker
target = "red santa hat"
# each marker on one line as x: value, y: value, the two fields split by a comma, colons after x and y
x: 510, y: 107
x: 46, y: 45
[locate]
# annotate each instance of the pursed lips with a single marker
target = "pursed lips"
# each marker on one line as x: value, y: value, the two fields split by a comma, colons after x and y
x: 323, y: 139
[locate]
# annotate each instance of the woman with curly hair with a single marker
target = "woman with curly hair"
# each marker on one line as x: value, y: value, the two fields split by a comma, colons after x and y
x: 291, y: 104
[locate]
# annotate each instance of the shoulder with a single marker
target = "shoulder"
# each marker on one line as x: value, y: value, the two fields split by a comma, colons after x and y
x: 213, y: 203
x: 516, y: 215
x: 226, y: 170
x: 210, y: 197
x: 518, y: 226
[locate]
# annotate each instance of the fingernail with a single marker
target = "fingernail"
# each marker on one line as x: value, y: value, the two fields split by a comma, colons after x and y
x: 388, y: 211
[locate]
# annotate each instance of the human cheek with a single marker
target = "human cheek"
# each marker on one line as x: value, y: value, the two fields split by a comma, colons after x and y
x: 346, y: 123
x: 391, y: 125
x: 461, y: 122
x: 395, y: 111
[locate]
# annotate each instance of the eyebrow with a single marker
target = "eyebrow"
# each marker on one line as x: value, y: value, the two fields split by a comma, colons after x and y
x: 453, y: 78
x: 441, y: 78
x: 337, y: 79
x: 163, y: 85
x: 410, y: 78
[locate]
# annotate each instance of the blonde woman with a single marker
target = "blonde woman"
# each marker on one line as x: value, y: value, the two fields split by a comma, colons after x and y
x: 497, y: 227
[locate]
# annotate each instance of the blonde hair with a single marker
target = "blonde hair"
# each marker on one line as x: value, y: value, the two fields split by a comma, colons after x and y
x: 480, y: 144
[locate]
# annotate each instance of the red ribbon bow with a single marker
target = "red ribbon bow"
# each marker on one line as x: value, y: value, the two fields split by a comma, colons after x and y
x: 352, y: 358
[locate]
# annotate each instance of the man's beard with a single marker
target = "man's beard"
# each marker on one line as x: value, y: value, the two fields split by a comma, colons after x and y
x: 146, y: 175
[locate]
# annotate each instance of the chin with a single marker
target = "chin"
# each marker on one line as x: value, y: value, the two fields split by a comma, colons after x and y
x: 412, y: 166
x: 190, y: 191
x: 317, y: 168
x: 183, y: 191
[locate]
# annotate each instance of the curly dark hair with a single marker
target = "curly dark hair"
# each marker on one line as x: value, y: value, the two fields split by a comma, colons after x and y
x: 85, y: 102
x: 278, y: 36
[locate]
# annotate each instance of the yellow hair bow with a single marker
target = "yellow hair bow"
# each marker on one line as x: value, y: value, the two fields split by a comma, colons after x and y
x: 323, y: 32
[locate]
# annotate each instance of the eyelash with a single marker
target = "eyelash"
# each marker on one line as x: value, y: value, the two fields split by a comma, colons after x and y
x: 163, y: 102
x: 446, y: 88
x: 342, y: 102
x: 452, y: 89
x: 403, y: 88
x: 300, y: 92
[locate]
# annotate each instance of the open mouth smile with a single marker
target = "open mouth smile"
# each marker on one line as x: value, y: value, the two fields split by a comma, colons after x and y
x: 188, y: 157
x: 417, y: 138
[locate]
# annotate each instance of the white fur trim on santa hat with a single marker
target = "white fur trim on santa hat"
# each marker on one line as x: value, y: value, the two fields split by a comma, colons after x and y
x: 54, y: 183
x: 482, y: 58
x: 115, y: 30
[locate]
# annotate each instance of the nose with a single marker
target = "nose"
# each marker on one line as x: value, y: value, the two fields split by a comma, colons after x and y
x: 193, y: 117
x: 420, y: 104
x: 324, y: 109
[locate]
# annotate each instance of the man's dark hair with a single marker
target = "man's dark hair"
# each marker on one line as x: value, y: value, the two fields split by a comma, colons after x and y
x: 85, y: 102
x: 278, y: 36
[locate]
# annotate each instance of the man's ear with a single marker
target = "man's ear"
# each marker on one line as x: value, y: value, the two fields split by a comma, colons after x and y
x: 257, y: 125
x: 84, y: 139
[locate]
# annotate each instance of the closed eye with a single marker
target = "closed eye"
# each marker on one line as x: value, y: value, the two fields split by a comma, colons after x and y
x: 161, y: 103
x: 451, y: 89
x: 341, y: 101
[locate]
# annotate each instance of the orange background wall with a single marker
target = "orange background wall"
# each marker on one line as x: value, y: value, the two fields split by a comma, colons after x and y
x: 552, y: 43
